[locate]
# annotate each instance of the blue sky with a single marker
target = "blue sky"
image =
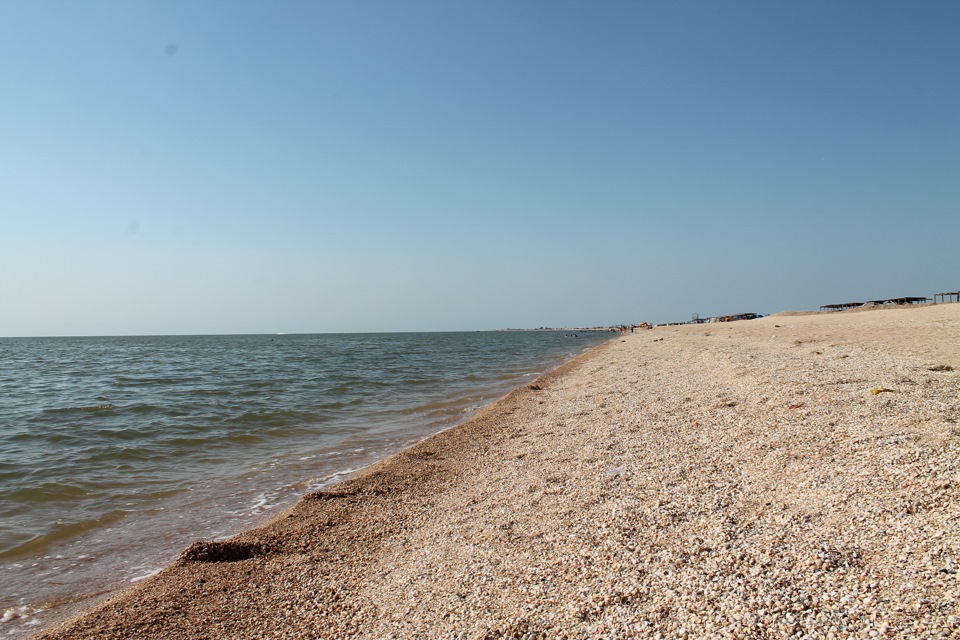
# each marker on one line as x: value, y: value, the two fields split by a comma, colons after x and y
x: 255, y: 167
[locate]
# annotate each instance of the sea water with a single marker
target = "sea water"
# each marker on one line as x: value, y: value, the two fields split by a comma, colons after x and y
x: 117, y: 453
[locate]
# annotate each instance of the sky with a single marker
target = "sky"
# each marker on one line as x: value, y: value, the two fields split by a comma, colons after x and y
x: 216, y: 167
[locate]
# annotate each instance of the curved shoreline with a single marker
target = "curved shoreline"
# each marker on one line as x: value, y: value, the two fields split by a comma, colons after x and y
x: 709, y: 480
x: 351, y: 478
x: 74, y: 575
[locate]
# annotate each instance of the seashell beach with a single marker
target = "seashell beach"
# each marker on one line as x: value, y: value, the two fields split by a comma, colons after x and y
x: 790, y: 476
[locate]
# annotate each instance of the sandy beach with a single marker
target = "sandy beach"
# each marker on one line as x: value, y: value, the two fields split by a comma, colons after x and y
x: 732, y: 480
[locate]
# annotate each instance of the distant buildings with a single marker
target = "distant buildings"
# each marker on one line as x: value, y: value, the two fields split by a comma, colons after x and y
x: 873, y: 303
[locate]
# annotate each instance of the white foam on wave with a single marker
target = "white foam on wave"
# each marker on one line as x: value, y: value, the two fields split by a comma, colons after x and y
x: 264, y: 502
x: 22, y: 614
x: 319, y: 483
x: 152, y: 572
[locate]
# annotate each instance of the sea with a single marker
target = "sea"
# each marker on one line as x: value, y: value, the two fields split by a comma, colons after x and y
x: 116, y: 453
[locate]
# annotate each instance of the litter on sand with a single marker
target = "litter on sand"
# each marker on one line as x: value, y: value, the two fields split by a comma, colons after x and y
x: 877, y: 390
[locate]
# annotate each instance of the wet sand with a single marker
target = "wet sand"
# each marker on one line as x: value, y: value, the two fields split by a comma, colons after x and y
x: 717, y: 480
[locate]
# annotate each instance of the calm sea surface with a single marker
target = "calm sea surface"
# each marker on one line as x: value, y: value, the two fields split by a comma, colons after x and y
x: 117, y: 453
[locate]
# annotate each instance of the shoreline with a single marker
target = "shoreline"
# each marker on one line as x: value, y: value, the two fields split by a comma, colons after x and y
x: 143, y: 547
x: 702, y: 479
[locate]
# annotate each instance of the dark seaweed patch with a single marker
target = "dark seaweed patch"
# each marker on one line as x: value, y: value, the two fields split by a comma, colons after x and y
x: 229, y: 551
x: 330, y: 495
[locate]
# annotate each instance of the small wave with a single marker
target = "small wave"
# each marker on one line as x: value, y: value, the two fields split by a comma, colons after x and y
x: 342, y: 389
x: 328, y: 406
x: 46, y: 492
x: 263, y: 384
x: 131, y: 381
x: 22, y: 614
x: 416, y: 382
x: 123, y: 433
x: 212, y: 392
x: 60, y: 533
x: 144, y: 576
x: 87, y: 409
x: 319, y: 483
x: 263, y: 503
x: 146, y: 408
x: 282, y: 419
x: 440, y: 405
x: 124, y: 459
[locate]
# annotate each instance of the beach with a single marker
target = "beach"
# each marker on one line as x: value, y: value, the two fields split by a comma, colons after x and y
x: 116, y: 453
x: 790, y: 475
